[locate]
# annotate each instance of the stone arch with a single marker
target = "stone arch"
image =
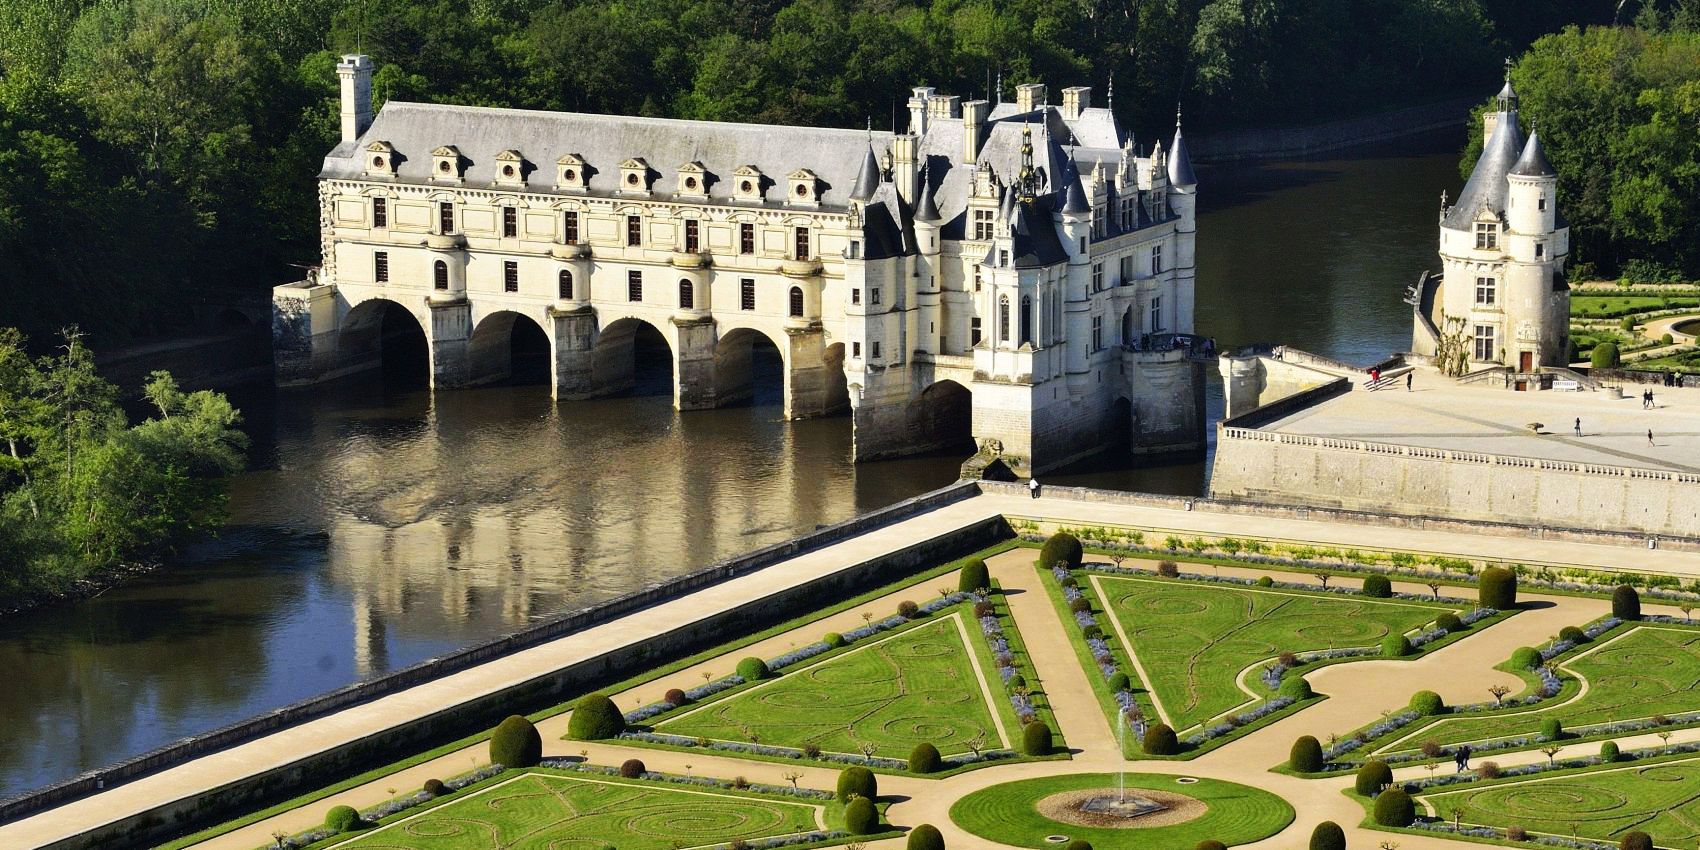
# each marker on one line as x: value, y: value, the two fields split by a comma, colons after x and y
x: 743, y: 365
x: 506, y: 344
x: 632, y: 354
x: 837, y: 383
x: 1118, y: 429
x: 381, y: 332
x: 941, y: 418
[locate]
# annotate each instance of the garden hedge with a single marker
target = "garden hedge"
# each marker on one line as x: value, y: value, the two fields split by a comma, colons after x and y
x: 1394, y: 807
x: 1306, y: 755
x: 515, y: 743
x: 1160, y: 740
x: 1497, y: 588
x: 858, y: 781
x: 1061, y: 548
x: 595, y: 718
x: 1378, y: 586
x: 1328, y: 836
x: 1625, y: 603
x: 1036, y: 739
x: 975, y: 576
x: 1372, y: 777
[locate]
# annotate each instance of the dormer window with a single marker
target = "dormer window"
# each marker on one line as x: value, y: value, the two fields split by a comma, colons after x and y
x: 447, y: 163
x: 804, y: 187
x: 746, y: 183
x: 380, y: 159
x: 1487, y: 236
x: 693, y: 180
x: 569, y: 172
x: 510, y: 168
x: 634, y: 176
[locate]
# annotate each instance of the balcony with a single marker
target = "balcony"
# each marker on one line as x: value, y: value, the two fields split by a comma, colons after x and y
x: 689, y: 259
x: 445, y: 241
x: 801, y: 268
x: 562, y: 251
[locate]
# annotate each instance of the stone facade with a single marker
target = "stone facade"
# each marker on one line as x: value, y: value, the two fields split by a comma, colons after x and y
x: 1019, y: 272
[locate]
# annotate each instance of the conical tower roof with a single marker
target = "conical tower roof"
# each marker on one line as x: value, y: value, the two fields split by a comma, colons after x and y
x: 1180, y: 164
x: 1533, y: 162
x: 867, y: 178
x: 1074, y: 198
x: 926, y: 210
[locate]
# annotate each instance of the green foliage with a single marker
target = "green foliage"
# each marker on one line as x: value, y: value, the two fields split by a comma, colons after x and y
x: 1604, y: 356
x: 1572, y: 634
x: 925, y: 837
x: 860, y: 816
x: 1608, y: 751
x: 1625, y: 603
x: 1497, y: 588
x: 595, y: 718
x: 1394, y: 807
x: 974, y: 576
x: 1119, y: 682
x: 1635, y: 841
x: 925, y: 759
x: 1396, y: 646
x: 1378, y: 586
x: 1306, y: 755
x: 1328, y: 836
x: 342, y: 819
x: 1265, y: 581
x: 1210, y: 844
x: 1061, y: 548
x: 857, y: 782
x: 1427, y: 703
x: 1449, y: 623
x: 1666, y: 339
x: 1160, y: 740
x: 1525, y: 658
x: 1295, y: 687
x: 1036, y: 739
x: 1372, y: 777
x: 834, y: 640
x: 752, y: 669
x: 516, y: 743
x: 1552, y: 729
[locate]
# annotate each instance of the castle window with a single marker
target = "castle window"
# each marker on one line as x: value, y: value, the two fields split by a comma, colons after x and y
x: 1540, y: 250
x: 1156, y: 259
x: 566, y: 288
x: 634, y: 230
x: 1156, y: 315
x: 687, y: 295
x: 381, y: 266
x: 746, y: 238
x: 569, y: 227
x: 982, y: 224
x: 510, y: 222
x: 1487, y: 236
x: 380, y: 212
x: 977, y: 281
x: 1541, y: 204
x: 634, y: 285
x: 1003, y: 258
x: 569, y: 171
x: 510, y: 276
x: 1026, y: 320
x: 803, y: 186
x: 1097, y: 277
x: 855, y: 249
x: 1485, y: 291
x: 1484, y: 343
x: 974, y: 331
x: 875, y: 351
x: 874, y: 295
x: 797, y: 302
x: 855, y: 349
x: 446, y: 217
x: 803, y: 243
x: 746, y: 293
x: 1003, y: 318
x: 855, y: 295
x: 440, y: 276
x: 1097, y: 333
x: 691, y: 246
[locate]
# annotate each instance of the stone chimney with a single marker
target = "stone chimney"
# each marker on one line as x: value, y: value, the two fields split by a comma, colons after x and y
x: 1490, y: 122
x: 355, y: 74
x: 904, y: 166
x: 919, y: 99
x: 1028, y: 96
x: 1076, y: 99
x: 944, y: 106
x: 974, y: 114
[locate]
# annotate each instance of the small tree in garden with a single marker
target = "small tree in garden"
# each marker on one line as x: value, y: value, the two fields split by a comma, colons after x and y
x: 1625, y: 603
x: 1168, y: 569
x: 1322, y: 577
x: 1551, y: 752
x: 1328, y: 836
x: 1488, y: 770
x: 1434, y: 588
x: 1499, y: 692
x: 792, y: 776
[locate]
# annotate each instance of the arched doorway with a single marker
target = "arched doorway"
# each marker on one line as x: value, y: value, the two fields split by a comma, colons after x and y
x: 941, y: 419
x: 508, y: 345
x: 1118, y: 430
x: 748, y: 368
x: 632, y: 355
x: 380, y: 333
x: 837, y: 383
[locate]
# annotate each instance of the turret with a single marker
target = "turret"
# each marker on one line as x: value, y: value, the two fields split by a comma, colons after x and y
x: 1533, y: 208
x: 867, y: 179
x: 1075, y: 216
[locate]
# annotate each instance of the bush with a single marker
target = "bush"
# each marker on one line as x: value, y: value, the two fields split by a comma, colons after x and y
x: 1328, y: 836
x: 752, y: 669
x: 594, y: 718
x: 1497, y: 588
x: 1525, y: 658
x: 857, y: 781
x: 1608, y: 751
x: 1516, y: 833
x: 1265, y: 581
x: 1306, y: 755
x: 834, y: 640
x: 860, y: 817
x: 1168, y: 569
x: 435, y: 787
x: 974, y: 576
x: 1120, y: 682
x: 1080, y: 605
x: 926, y: 836
x: 908, y: 610
x: 1160, y: 740
x: 1372, y: 777
x: 1036, y: 739
x: 1488, y: 770
x: 1393, y: 807
x: 925, y: 758
x: 1296, y: 687
x: 1016, y: 681
x: 1636, y: 841
x: 1551, y: 729
x: 1210, y: 844
x: 1091, y: 632
x: 674, y: 697
x: 1427, y: 703
x: 1061, y: 549
x: 1395, y: 646
x: 1067, y: 581
x: 1078, y: 844
x: 1625, y: 603
x: 1604, y: 356
x: 515, y: 743
x: 342, y: 819
x: 1449, y: 623
x: 632, y: 768
x: 1378, y: 586
x: 1666, y: 339
x: 1572, y: 634
x: 1628, y: 323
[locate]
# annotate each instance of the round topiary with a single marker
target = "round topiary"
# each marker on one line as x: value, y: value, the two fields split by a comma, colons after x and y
x: 1091, y: 632
x: 1605, y: 356
x: 1395, y: 646
x: 974, y: 576
x: 1078, y: 844
x: 834, y: 640
x: 1572, y: 634
x: 857, y: 781
x: 674, y: 697
x: 342, y: 818
x: 594, y: 718
x: 1449, y: 623
x: 1016, y: 681
x: 1306, y: 755
x: 860, y: 817
x: 1378, y: 587
x: 1608, y: 751
x: 1160, y: 740
x: 1061, y: 549
x: 515, y: 743
x: 1525, y: 658
x: 435, y: 787
x: 1625, y: 603
x: 1427, y: 703
x: 1635, y: 841
x: 925, y: 759
x: 752, y: 669
x: 925, y: 837
x: 632, y: 768
x: 1265, y: 581
x: 1210, y: 844
x: 1551, y: 729
x: 1497, y: 589
x: 1393, y: 807
x: 1295, y: 687
x: 1328, y: 836
x: 908, y: 610
x: 1036, y: 739
x: 1666, y: 339
x: 1372, y: 777
x: 1119, y: 682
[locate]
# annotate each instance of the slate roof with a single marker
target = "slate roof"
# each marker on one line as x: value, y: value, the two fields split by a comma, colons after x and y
x: 1533, y: 162
x: 887, y: 230
x: 1487, y: 186
x: 1180, y: 164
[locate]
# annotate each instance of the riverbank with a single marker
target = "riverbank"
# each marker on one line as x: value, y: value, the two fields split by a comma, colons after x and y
x: 87, y: 587
x: 1252, y: 145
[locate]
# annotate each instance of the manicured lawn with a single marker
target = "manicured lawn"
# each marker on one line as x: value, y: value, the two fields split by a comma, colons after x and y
x: 917, y: 686
x: 1630, y: 674
x: 1238, y: 814
x: 1194, y: 639
x: 1585, y: 305
x: 1662, y: 800
x: 539, y: 811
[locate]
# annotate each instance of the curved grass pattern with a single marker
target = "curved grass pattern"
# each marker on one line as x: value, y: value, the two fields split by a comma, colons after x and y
x: 912, y: 688
x: 1238, y: 814
x: 546, y: 812
x: 1661, y: 800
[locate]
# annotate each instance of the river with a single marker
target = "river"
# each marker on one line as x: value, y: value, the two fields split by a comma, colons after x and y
x: 381, y: 525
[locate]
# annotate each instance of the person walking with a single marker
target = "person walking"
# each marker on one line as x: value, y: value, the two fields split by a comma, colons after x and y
x: 1578, y: 426
x: 1650, y: 404
x: 1464, y: 758
x: 1408, y: 376
x: 1649, y: 436
x: 1033, y: 487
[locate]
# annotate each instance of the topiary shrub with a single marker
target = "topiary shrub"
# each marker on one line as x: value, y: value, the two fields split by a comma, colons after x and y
x: 515, y: 743
x: 1427, y: 703
x: 342, y: 819
x: 1395, y: 646
x: 1604, y: 356
x: 1551, y: 729
x: 1265, y: 581
x: 1016, y: 681
x: 1572, y: 634
x: 908, y: 610
x: 925, y: 837
x: 925, y: 759
x: 1306, y: 755
x: 1120, y: 682
x: 1091, y: 632
x: 1497, y: 589
x: 435, y: 787
x: 1296, y: 688
x: 834, y: 640
x: 632, y: 768
x: 974, y: 576
x: 1168, y: 569
x: 1036, y: 739
x: 1378, y: 587
x: 856, y: 781
x: 674, y: 697
x: 1393, y: 807
x: 752, y: 669
x: 1328, y: 836
x: 1635, y: 841
x: 1625, y: 603
x: 1372, y: 777
x: 1666, y: 339
x: 1079, y: 844
x: 1525, y: 658
x: 1160, y: 740
x: 1449, y: 623
x: 1061, y: 549
x: 860, y: 817
x: 1210, y: 844
x: 594, y: 718
x: 1608, y: 751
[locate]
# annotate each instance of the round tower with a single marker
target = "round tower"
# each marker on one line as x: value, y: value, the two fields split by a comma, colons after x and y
x: 1183, y: 199
x: 1537, y: 305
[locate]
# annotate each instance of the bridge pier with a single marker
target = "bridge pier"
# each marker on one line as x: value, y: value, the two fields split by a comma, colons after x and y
x: 449, y: 338
x: 574, y: 344
x: 693, y: 363
x: 806, y: 381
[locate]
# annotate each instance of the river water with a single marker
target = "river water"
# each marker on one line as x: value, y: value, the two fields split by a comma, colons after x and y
x: 381, y: 526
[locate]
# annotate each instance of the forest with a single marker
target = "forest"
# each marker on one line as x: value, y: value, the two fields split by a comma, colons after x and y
x: 154, y: 149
